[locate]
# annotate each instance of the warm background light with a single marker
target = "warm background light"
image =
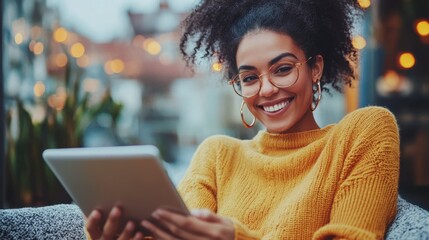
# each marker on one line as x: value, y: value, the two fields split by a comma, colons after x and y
x: 392, y: 80
x: 359, y: 42
x: 38, y: 48
x: 407, y: 60
x: 61, y: 60
x: 117, y: 66
x: 60, y: 35
x: 19, y: 38
x: 114, y: 66
x: 364, y: 3
x: 422, y: 28
x: 77, y: 50
x: 58, y: 100
x: 39, y: 89
x: 152, y: 46
x: 217, y: 67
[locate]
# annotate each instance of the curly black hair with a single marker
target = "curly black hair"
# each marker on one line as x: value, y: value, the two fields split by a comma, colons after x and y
x: 216, y: 27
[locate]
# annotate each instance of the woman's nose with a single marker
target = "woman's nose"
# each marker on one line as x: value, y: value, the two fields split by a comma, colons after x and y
x: 267, y: 88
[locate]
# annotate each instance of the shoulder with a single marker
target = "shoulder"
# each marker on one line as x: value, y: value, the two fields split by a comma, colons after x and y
x: 368, y: 124
x: 369, y: 117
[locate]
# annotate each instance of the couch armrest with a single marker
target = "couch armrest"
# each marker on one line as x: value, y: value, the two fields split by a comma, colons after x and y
x: 411, y: 222
x: 62, y: 221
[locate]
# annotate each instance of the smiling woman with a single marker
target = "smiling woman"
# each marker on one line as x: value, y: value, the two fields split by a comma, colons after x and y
x: 294, y: 179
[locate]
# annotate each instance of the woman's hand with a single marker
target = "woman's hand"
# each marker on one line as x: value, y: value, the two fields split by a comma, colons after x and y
x: 203, y: 224
x: 111, y: 229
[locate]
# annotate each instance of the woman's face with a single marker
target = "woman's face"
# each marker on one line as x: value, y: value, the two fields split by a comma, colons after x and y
x: 280, y: 110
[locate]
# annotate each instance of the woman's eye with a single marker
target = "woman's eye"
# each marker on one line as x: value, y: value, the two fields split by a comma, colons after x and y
x: 283, y: 69
x: 248, y: 78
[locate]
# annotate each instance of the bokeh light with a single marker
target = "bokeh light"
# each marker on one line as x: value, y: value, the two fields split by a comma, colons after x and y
x: 19, y: 38
x: 114, y: 66
x: 422, y: 28
x: 39, y: 89
x: 407, y: 60
x: 38, y: 48
x: 60, y: 35
x: 359, y: 42
x: 77, y: 50
x: 217, y: 67
x: 61, y: 60
x: 364, y: 3
x: 152, y: 46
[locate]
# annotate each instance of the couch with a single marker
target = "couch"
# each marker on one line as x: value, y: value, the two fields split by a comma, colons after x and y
x: 65, y: 221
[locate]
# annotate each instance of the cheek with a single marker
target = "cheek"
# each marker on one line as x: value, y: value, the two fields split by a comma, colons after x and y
x: 250, y: 105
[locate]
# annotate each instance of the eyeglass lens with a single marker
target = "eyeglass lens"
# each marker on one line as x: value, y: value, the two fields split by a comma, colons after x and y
x: 282, y: 74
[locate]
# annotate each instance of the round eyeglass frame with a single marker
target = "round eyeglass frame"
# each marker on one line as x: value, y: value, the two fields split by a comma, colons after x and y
x: 235, y: 79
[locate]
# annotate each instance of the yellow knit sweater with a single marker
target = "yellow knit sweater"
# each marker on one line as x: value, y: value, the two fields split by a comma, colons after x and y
x: 338, y: 182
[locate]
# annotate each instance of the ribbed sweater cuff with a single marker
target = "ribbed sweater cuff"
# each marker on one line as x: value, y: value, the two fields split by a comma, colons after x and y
x: 243, y: 233
x: 341, y: 231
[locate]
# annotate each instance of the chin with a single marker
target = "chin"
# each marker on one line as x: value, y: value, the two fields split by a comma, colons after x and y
x: 279, y: 129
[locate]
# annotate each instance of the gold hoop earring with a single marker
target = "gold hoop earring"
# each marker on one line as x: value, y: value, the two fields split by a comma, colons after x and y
x: 319, y: 96
x: 242, y: 117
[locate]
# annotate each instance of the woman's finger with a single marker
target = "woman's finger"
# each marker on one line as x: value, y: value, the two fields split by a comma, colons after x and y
x: 206, y: 215
x: 157, y: 232
x: 128, y: 231
x: 209, y: 216
x: 140, y: 236
x: 189, y: 227
x: 93, y: 224
x: 111, y: 227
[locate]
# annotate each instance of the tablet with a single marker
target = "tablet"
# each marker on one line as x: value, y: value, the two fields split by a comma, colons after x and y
x: 131, y: 177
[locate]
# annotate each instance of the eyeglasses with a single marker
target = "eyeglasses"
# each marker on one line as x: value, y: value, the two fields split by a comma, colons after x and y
x: 282, y: 74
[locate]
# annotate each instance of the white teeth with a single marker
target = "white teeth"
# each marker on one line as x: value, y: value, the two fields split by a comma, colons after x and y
x: 276, y: 107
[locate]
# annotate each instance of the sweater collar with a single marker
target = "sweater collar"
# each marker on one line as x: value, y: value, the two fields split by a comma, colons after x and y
x: 266, y: 140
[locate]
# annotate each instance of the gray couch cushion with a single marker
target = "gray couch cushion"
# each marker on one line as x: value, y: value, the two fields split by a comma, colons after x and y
x: 62, y: 221
x: 411, y: 223
x: 65, y: 221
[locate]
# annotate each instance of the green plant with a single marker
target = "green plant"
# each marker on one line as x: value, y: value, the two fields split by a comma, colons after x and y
x: 29, y: 181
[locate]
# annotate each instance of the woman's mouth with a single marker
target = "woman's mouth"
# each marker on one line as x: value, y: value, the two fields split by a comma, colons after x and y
x: 277, y: 107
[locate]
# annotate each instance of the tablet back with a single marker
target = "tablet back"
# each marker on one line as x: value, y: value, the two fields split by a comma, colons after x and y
x: 131, y: 177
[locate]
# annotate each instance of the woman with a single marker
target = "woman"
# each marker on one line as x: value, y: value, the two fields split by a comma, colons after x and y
x: 293, y: 180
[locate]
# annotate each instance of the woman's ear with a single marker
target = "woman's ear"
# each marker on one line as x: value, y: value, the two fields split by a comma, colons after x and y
x: 317, y: 69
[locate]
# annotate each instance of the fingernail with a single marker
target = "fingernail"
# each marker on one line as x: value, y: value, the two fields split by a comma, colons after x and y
x: 145, y: 224
x: 156, y: 214
x: 130, y: 225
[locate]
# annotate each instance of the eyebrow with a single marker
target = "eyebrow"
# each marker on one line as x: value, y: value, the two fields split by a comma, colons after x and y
x: 271, y: 62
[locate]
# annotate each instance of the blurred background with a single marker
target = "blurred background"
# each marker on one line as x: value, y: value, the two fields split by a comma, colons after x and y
x: 84, y: 73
